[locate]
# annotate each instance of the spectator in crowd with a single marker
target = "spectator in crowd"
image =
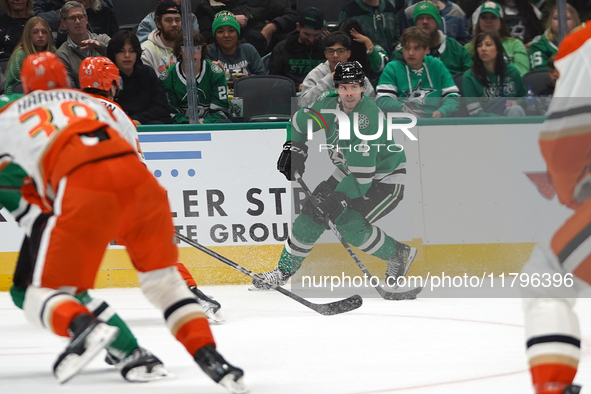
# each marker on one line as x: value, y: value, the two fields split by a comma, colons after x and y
x: 372, y: 57
x: 491, y: 21
x: 142, y: 97
x: 454, y: 23
x: 492, y: 86
x: 228, y: 53
x: 418, y: 83
x: 583, y: 7
x: 521, y: 18
x: 80, y: 43
x: 148, y: 24
x: 454, y: 56
x: 378, y: 19
x: 12, y: 24
x: 263, y: 23
x: 157, y: 51
x: 545, y: 94
x: 302, y: 50
x: 320, y: 79
x: 546, y: 45
x: 36, y: 38
x: 212, y: 89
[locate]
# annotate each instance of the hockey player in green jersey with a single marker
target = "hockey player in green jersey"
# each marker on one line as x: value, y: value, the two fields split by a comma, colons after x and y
x: 212, y: 89
x: 365, y: 186
x: 419, y: 84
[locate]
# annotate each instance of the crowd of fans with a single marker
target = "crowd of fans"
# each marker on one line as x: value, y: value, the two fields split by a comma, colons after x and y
x: 428, y: 57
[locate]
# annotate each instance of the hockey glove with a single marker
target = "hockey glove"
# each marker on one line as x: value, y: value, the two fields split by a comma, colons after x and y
x: 292, y: 159
x: 330, y: 206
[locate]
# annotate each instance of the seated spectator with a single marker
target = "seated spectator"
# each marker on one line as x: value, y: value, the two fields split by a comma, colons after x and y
x: 372, y: 57
x: 492, y: 87
x: 148, y: 24
x: 212, y: 89
x: 36, y: 38
x: 12, y: 24
x: 80, y: 43
x: 228, y: 53
x: 142, y: 97
x: 491, y: 21
x: 302, y: 50
x: 454, y: 56
x: 378, y: 20
x: 546, y: 45
x: 418, y: 84
x: 521, y: 18
x: 157, y: 51
x: 263, y: 23
x: 320, y: 79
x: 454, y: 23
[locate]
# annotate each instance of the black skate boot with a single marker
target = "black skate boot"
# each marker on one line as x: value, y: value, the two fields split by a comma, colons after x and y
x: 400, y: 263
x: 210, y: 306
x: 275, y: 276
x: 214, y: 365
x: 89, y: 336
x: 142, y: 366
x: 572, y: 389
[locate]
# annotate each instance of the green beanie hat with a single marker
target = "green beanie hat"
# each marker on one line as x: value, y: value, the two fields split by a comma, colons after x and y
x: 426, y: 8
x: 225, y: 18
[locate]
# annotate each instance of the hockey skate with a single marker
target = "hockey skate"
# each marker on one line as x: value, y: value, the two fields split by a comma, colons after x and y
x: 89, y: 337
x: 139, y: 366
x: 214, y: 365
x: 400, y: 263
x: 211, y: 307
x: 275, y: 276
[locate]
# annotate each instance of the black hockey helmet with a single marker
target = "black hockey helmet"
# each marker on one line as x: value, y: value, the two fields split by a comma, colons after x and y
x: 348, y: 72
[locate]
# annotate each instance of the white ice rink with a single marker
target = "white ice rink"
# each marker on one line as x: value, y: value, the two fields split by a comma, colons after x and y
x: 424, y: 346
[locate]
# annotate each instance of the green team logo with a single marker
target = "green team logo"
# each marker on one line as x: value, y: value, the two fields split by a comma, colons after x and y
x: 322, y: 96
x: 363, y: 121
x: 216, y: 69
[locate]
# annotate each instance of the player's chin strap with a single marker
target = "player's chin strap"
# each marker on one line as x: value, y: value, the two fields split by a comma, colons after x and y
x: 388, y: 295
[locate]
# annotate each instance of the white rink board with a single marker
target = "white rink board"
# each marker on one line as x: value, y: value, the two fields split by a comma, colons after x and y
x: 465, y: 184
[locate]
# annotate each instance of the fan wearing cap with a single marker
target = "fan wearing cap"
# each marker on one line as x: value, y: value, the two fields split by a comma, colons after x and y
x: 379, y: 21
x: 230, y: 54
x: 418, y: 83
x: 148, y: 24
x: 157, y: 50
x: 321, y: 79
x: 490, y: 20
x: 454, y: 22
x: 302, y: 50
x: 362, y: 181
x: 453, y: 55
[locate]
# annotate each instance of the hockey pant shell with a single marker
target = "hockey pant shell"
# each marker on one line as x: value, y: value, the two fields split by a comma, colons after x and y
x: 354, y: 224
x: 116, y: 198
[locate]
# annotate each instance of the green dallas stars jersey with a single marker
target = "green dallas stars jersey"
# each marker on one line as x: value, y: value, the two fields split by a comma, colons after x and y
x: 212, y: 92
x: 11, y: 175
x: 539, y: 51
x: 431, y: 88
x: 360, y: 162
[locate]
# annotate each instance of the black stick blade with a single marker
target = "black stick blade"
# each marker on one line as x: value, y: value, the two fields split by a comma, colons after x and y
x: 342, y: 306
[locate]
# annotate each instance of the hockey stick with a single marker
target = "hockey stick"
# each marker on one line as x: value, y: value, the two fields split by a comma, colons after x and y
x: 387, y: 295
x: 10, y: 188
x: 332, y: 308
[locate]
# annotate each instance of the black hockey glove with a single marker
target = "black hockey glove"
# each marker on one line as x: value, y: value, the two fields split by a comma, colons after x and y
x: 292, y: 159
x: 330, y: 206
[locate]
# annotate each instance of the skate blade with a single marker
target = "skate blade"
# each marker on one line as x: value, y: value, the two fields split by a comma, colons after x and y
x: 213, y: 317
x: 254, y: 288
x: 235, y: 386
x: 73, y: 363
x: 141, y: 375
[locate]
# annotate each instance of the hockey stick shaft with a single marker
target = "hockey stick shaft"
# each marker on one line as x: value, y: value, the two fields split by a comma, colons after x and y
x: 332, y: 308
x: 10, y: 188
x: 383, y: 293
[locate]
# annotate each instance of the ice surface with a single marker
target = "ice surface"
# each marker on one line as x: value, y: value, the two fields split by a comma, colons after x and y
x: 427, y: 345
